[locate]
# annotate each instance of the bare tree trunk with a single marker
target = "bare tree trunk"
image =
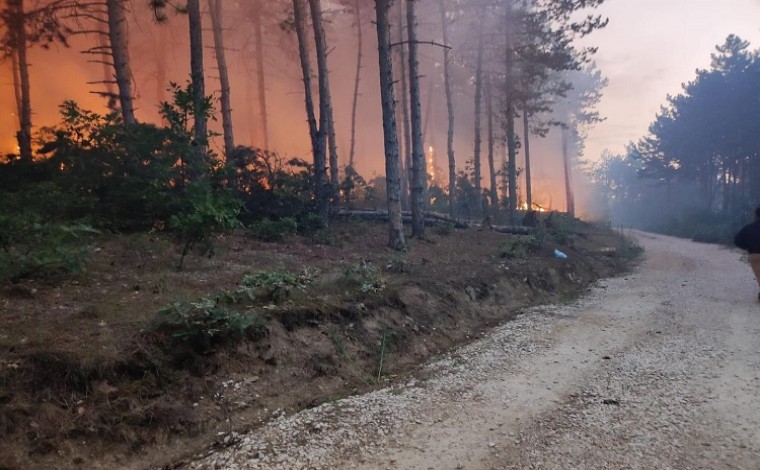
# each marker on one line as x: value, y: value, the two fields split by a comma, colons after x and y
x: 18, y: 23
x: 358, y: 19
x: 491, y: 157
x: 106, y: 56
x: 526, y: 143
x: 419, y: 173
x: 510, y: 92
x: 198, y: 79
x: 326, y: 120
x: 406, y: 122
x: 450, y: 109
x: 392, y: 167
x: 117, y: 34
x: 215, y: 7
x: 16, y: 86
x: 569, y: 199
x: 318, y: 139
x: 260, y: 73
x: 478, y: 100
x: 161, y: 83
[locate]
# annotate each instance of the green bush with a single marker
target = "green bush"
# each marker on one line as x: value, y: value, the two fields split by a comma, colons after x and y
x: 207, y: 323
x: 278, y: 285
x: 366, y: 277
x: 521, y: 246
x: 268, y: 230
x: 207, y: 213
x: 31, y: 247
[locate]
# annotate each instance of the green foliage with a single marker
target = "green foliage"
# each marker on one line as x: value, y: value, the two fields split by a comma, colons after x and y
x: 703, y: 226
x: 279, y: 284
x: 443, y: 229
x: 268, y: 230
x: 519, y: 246
x: 206, y: 323
x: 208, y: 212
x: 31, y: 246
x: 366, y: 277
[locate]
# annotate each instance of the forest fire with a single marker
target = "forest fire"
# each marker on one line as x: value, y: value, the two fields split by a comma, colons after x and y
x: 534, y: 206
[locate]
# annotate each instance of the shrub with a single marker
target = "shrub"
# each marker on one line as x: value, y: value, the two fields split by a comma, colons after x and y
x: 207, y: 212
x: 268, y: 230
x: 520, y: 246
x: 278, y: 285
x: 366, y: 277
x: 30, y: 247
x: 206, y: 323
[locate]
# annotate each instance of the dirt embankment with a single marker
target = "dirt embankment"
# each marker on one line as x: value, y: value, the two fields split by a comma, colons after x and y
x: 86, y: 371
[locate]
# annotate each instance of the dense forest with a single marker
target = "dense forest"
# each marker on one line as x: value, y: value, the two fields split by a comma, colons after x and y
x: 696, y: 173
x: 509, y: 73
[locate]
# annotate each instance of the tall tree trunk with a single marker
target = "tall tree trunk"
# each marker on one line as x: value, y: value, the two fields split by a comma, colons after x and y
x: 326, y: 120
x: 510, y: 99
x: 392, y: 167
x: 569, y: 199
x: 161, y: 82
x: 478, y: 100
x: 450, y: 110
x: 318, y: 138
x: 406, y: 121
x: 106, y: 56
x: 16, y: 86
x: 419, y: 173
x: 260, y: 73
x: 18, y: 23
x: 526, y: 139
x: 200, y: 126
x: 491, y: 156
x: 358, y: 19
x: 117, y: 34
x: 215, y: 7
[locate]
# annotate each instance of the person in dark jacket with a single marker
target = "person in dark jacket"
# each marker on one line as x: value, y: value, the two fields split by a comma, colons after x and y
x: 748, y: 239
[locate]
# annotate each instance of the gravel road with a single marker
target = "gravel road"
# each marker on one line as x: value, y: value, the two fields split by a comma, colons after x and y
x: 658, y: 369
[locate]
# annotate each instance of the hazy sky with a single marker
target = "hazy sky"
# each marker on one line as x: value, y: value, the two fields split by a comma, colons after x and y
x: 649, y: 48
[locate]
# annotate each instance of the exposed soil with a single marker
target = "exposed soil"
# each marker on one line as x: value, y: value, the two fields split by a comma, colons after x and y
x: 87, y: 382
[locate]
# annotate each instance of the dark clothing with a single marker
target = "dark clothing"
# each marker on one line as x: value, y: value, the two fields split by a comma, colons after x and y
x: 748, y: 238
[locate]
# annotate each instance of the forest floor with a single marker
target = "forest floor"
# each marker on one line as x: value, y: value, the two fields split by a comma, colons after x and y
x: 91, y: 378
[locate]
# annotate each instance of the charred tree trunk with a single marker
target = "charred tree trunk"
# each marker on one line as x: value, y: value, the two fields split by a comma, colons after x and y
x: 200, y: 126
x: 19, y: 38
x: 260, y: 73
x: 526, y: 143
x: 106, y: 61
x: 326, y: 120
x: 491, y: 156
x: 406, y: 122
x: 161, y: 83
x: 359, y: 42
x: 450, y: 110
x: 478, y: 100
x: 215, y: 7
x: 318, y: 138
x: 419, y: 172
x: 392, y: 167
x: 569, y: 199
x: 510, y: 101
x: 117, y: 34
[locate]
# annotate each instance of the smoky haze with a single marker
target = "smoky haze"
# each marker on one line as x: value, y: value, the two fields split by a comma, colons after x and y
x: 159, y: 56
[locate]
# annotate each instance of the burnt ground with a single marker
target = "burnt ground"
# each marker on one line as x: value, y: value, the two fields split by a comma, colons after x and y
x: 89, y: 379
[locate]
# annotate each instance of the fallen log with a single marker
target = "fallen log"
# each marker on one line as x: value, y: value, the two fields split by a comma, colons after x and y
x: 432, y: 219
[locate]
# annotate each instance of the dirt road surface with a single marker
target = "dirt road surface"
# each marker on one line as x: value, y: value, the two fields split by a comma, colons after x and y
x: 657, y: 369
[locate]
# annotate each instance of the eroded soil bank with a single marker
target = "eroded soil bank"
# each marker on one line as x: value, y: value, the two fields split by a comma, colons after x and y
x: 90, y: 379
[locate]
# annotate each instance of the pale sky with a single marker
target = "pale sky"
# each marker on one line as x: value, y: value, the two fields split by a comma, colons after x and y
x: 649, y: 48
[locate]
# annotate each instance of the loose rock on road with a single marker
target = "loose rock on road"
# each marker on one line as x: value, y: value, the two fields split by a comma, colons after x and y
x: 658, y: 369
